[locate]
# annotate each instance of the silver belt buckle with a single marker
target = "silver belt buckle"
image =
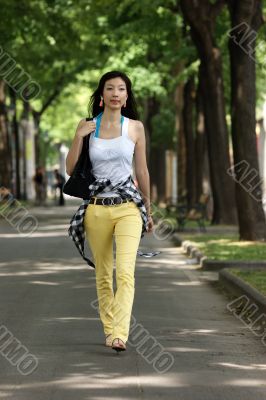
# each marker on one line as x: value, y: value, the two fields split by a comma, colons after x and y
x: 108, y: 199
x: 111, y: 201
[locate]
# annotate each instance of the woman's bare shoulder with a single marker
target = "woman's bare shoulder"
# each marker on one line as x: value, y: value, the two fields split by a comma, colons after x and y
x: 135, y: 130
x: 136, y: 123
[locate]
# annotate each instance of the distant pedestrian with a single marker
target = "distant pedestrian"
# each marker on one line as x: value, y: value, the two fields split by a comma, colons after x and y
x: 40, y: 183
x: 60, y: 181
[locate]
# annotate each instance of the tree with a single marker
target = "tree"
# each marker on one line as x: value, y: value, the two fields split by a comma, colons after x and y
x: 49, y: 60
x: 189, y: 132
x: 246, y: 19
x: 5, y: 153
x: 201, y: 17
x: 200, y: 145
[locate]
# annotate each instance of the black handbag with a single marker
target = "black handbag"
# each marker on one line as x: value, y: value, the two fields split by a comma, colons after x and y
x: 78, y: 183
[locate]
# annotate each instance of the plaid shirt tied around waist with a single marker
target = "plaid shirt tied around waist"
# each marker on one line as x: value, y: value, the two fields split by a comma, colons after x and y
x: 126, y: 189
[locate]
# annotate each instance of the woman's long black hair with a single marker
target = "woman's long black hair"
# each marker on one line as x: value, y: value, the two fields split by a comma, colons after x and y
x: 129, y: 111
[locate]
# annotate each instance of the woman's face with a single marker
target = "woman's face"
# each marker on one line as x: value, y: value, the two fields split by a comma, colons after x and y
x: 115, y: 93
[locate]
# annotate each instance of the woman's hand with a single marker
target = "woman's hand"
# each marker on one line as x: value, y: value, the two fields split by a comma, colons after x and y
x: 150, y: 224
x: 84, y: 128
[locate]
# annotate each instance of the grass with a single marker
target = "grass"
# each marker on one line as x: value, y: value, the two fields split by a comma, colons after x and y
x: 254, y: 277
x: 227, y: 247
x: 220, y: 242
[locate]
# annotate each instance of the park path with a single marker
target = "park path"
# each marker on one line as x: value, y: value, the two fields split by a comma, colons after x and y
x: 47, y: 302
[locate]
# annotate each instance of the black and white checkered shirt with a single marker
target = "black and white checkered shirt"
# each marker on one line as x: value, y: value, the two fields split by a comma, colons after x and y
x: 126, y: 189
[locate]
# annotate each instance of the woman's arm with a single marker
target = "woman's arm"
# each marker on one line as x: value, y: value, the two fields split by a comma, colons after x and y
x: 73, y: 154
x: 141, y: 169
x: 84, y: 128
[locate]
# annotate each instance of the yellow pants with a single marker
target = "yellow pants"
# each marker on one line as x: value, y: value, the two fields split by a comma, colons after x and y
x: 101, y: 223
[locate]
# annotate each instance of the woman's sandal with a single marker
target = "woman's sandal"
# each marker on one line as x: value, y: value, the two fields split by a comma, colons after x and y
x: 118, y: 345
x: 108, y: 340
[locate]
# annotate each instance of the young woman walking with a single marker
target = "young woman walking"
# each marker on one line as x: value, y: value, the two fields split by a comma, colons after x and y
x: 118, y: 208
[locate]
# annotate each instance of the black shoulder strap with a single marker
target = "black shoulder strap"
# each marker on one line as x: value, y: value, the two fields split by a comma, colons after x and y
x: 86, y: 140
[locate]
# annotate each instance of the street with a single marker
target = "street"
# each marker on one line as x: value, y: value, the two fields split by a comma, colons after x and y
x: 47, y: 302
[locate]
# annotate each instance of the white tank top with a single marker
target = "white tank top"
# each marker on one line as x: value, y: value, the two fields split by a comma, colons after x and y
x: 112, y: 158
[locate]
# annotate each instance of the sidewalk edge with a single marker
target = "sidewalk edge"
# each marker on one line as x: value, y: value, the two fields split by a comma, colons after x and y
x: 208, y: 264
x: 237, y: 286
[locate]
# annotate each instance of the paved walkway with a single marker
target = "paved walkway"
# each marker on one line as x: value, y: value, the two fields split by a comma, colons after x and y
x: 47, y: 302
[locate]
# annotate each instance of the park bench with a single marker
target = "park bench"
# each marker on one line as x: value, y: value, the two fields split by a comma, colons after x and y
x: 197, y: 213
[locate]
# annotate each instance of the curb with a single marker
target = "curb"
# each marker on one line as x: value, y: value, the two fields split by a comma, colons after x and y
x: 207, y: 264
x: 232, y: 283
x: 238, y: 287
x: 188, y: 248
x: 217, y: 265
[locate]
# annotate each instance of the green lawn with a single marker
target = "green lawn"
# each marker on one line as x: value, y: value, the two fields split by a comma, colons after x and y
x: 223, y: 245
x: 227, y: 247
x: 255, y: 278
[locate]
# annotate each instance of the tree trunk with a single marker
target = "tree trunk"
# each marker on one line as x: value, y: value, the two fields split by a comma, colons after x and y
x: 155, y: 156
x: 188, y: 118
x: 180, y: 146
x: 15, y: 135
x: 246, y: 18
x: 157, y: 173
x: 5, y: 153
x: 200, y: 145
x: 201, y: 17
x: 23, y: 125
x: 37, y: 119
